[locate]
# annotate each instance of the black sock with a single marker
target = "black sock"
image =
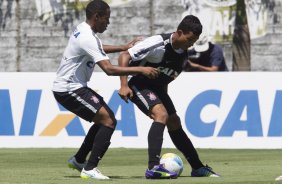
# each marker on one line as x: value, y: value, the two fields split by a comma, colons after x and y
x: 87, y: 144
x: 183, y: 144
x: 155, y: 141
x: 100, y: 146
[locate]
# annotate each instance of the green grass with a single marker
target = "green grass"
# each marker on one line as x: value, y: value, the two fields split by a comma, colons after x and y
x: 127, y: 166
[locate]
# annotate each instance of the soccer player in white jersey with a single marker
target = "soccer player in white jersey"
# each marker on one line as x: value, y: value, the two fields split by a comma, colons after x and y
x: 167, y: 53
x: 83, y: 52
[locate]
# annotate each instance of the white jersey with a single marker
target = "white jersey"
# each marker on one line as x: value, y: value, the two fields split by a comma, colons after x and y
x: 83, y: 51
x: 150, y: 50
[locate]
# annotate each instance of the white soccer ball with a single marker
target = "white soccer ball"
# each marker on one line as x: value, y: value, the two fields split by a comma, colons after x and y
x: 172, y: 163
x: 279, y: 178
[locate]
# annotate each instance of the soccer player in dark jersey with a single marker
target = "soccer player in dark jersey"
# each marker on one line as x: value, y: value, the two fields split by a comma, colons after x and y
x: 83, y: 52
x: 167, y: 53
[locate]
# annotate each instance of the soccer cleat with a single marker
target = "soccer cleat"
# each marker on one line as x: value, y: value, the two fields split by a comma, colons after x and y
x: 159, y: 172
x: 205, y: 171
x: 94, y: 173
x: 73, y: 164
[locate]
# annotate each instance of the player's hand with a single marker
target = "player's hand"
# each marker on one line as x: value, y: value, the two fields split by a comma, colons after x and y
x: 125, y: 93
x: 193, y: 65
x: 150, y: 72
x: 133, y: 42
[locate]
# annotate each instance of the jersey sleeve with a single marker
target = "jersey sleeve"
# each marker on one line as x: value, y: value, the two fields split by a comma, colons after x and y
x: 145, y: 48
x: 93, y: 47
x: 217, y: 56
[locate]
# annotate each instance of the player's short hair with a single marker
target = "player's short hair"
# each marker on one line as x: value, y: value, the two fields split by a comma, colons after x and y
x: 190, y: 23
x: 96, y: 6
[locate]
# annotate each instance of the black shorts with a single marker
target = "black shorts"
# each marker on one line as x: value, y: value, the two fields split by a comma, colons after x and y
x: 84, y: 102
x: 146, y: 96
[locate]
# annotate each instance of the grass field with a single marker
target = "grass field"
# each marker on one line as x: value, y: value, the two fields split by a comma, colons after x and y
x: 127, y: 166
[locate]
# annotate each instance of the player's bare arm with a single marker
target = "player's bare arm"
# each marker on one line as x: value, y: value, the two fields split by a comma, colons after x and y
x: 124, y: 92
x: 203, y: 68
x: 110, y: 69
x: 115, y: 48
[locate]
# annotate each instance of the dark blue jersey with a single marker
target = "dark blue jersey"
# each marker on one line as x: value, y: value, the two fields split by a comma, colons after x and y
x: 212, y: 57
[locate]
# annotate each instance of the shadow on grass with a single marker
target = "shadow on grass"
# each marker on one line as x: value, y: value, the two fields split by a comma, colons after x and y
x: 72, y: 176
x: 124, y: 177
x: 138, y: 177
x: 114, y: 177
x: 127, y: 177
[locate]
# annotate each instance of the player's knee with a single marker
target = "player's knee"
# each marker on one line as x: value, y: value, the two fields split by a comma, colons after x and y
x: 159, y: 113
x: 161, y: 116
x: 173, y: 126
x: 173, y: 122
x: 114, y: 124
x: 106, y: 120
x: 174, y: 118
x: 111, y: 122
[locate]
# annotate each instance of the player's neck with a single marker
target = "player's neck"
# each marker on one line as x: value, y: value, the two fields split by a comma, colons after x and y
x: 173, y: 40
x: 91, y: 24
x: 176, y: 47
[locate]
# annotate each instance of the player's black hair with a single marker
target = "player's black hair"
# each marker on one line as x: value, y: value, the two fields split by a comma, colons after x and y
x: 96, y: 6
x: 190, y: 23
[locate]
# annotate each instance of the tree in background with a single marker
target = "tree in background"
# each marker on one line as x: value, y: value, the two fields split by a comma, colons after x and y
x: 254, y: 11
x: 241, y: 46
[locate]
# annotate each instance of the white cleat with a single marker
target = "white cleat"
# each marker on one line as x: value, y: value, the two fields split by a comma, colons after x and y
x: 94, y: 173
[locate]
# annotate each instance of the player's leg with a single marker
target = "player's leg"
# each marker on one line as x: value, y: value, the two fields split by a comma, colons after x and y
x: 181, y: 140
x: 184, y: 144
x: 155, y: 140
x: 177, y: 134
x: 148, y: 102
x: 105, y: 118
x: 87, y: 144
x: 78, y: 161
x: 78, y: 102
x: 155, y: 136
x: 90, y: 106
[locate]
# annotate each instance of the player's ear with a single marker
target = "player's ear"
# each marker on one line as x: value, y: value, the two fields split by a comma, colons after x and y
x: 179, y: 32
x: 95, y: 16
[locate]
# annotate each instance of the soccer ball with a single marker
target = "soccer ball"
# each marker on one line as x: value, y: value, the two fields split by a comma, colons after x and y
x: 172, y: 163
x: 279, y: 178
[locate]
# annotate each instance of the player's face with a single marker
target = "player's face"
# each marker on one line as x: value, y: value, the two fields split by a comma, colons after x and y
x: 102, y: 22
x: 187, y: 40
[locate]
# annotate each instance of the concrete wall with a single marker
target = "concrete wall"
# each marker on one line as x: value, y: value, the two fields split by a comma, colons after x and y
x: 27, y: 43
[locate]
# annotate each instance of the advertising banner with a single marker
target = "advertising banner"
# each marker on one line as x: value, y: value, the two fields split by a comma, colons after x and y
x: 217, y: 110
x: 218, y: 17
x: 257, y: 17
x: 48, y: 8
